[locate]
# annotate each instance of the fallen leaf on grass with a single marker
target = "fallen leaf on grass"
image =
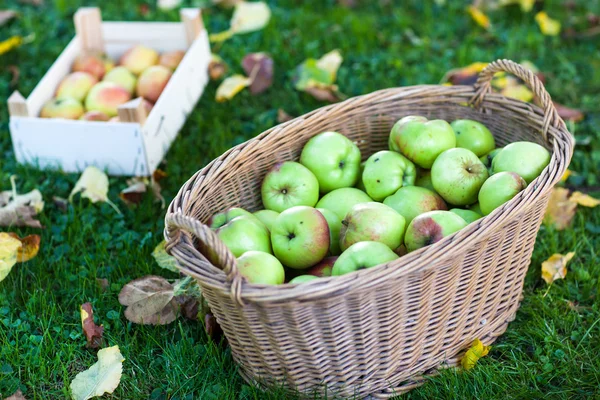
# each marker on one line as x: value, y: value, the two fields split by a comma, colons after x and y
x: 465, y: 75
x: 212, y: 327
x: 217, y: 67
x: 9, y: 248
x: 283, y: 116
x: 149, y: 301
x: 93, y: 185
x: 569, y: 114
x: 566, y: 175
x: 472, y: 355
x: 93, y: 333
x: 259, y: 67
x: 548, y: 26
x: 14, y: 42
x: 20, y: 209
x: 560, y: 210
x: 134, y: 193
x: 584, y: 200
x: 555, y: 267
x: 231, y: 86
x: 6, y: 15
x: 60, y: 203
x: 479, y: 17
x: 526, y: 5
x: 163, y: 259
x: 102, y: 284
x: 102, y: 377
x: 317, y: 77
x: 18, y: 395
x: 30, y: 246
x: 517, y: 91
x: 226, y: 3
x: 247, y: 17
x: 167, y: 5
x: 16, y: 73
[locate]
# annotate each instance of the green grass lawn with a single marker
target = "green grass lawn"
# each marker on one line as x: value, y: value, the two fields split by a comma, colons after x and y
x: 550, y: 351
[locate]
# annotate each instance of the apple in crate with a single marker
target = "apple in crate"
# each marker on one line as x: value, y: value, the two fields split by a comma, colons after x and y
x: 122, y: 77
x: 139, y: 58
x: 300, y: 237
x: 362, y: 255
x: 94, y: 116
x: 524, y: 158
x: 171, y: 59
x: 420, y: 140
x: 76, y: 85
x: 106, y: 97
x: 499, y: 189
x: 457, y: 175
x: 468, y: 215
x: 152, y: 82
x: 220, y: 219
x: 267, y: 217
x: 245, y: 233
x: 289, y: 184
x: 385, y: 172
x: 94, y: 64
x: 335, y: 225
x: 340, y: 201
x: 410, y: 201
x: 372, y: 222
x: 474, y: 136
x: 334, y: 159
x: 323, y: 268
x: 62, y: 108
x: 261, y: 268
x: 431, y: 227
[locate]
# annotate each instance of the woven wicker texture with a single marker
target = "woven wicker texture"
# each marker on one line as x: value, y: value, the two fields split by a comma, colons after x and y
x: 378, y: 331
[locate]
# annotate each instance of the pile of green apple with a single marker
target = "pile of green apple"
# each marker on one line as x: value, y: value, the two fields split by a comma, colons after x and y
x: 95, y: 88
x: 329, y: 214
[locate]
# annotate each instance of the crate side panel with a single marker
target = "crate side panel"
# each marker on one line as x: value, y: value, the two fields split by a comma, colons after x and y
x: 74, y: 145
x: 160, y: 36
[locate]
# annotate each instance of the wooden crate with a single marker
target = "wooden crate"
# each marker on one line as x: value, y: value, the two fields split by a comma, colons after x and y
x: 136, y: 145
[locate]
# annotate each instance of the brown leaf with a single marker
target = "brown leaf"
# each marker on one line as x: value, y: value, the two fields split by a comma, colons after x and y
x: 561, y: 209
x: 16, y: 72
x: 569, y: 114
x: 60, y: 203
x: 323, y: 94
x: 21, y: 209
x: 149, y: 300
x: 18, y: 395
x: 93, y: 333
x: 158, y: 175
x: 216, y: 68
x: 259, y: 67
x: 226, y: 3
x: 213, y: 329
x: 6, y: 15
x: 30, y: 246
x: 282, y: 116
x: 347, y: 3
x: 189, y: 306
x: 134, y: 193
x: 102, y: 284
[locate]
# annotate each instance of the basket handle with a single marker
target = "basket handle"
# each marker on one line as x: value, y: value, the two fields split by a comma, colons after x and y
x: 483, y: 86
x: 214, y: 248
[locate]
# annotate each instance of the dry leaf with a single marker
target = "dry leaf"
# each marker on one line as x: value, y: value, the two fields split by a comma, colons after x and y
x: 20, y: 209
x: 167, y: 5
x: 283, y: 116
x: 189, y: 306
x: 102, y: 377
x: 561, y: 210
x: 163, y: 259
x: 93, y: 185
x: 566, y: 175
x: 60, y: 203
x: 30, y: 246
x: 11, y: 43
x: 231, y: 86
x: 556, y: 267
x: 6, y: 15
x: 134, y: 193
x: 472, y: 355
x: 324, y: 94
x: 259, y: 67
x: 16, y: 73
x: 212, y: 327
x: 569, y: 114
x: 584, y: 200
x: 149, y: 301
x: 93, y: 333
x: 331, y: 62
x: 102, y: 283
x: 479, y: 17
x: 217, y: 67
x: 465, y: 75
x: 518, y: 91
x: 18, y: 395
x: 9, y: 249
x: 317, y: 77
x: 526, y: 5
x: 548, y: 26
x: 247, y: 17
x: 158, y: 175
x: 226, y: 3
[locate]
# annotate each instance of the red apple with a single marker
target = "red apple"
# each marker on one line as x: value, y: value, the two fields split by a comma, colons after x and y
x: 139, y: 58
x: 171, y: 59
x: 152, y: 82
x: 323, y: 268
x: 94, y: 116
x: 93, y: 63
x: 76, y: 85
x: 106, y: 97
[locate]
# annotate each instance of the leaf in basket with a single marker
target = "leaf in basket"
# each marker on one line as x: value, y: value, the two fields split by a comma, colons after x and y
x: 6, y: 15
x: 584, y: 200
x: 479, y: 17
x: 259, y: 67
x: 20, y: 209
x: 9, y: 249
x: 231, y: 86
x: 548, y: 26
x: 93, y: 185
x: 555, y: 267
x: 474, y: 353
x: 569, y: 114
x: 163, y: 259
x: 18, y: 395
x: 317, y: 77
x: 149, y: 301
x: 102, y: 377
x: 247, y: 17
x: 93, y: 333
x: 217, y: 67
x: 561, y: 209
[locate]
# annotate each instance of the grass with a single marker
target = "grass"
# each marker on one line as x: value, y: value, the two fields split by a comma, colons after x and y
x: 550, y: 350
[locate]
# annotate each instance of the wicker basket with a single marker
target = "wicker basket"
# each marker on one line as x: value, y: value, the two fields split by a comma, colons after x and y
x: 375, y: 332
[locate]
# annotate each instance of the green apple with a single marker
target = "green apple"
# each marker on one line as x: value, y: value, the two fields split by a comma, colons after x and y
x: 76, y: 86
x: 524, y: 158
x: 122, y: 77
x: 245, y: 233
x: 476, y: 208
x: 474, y: 136
x: 424, y: 179
x: 335, y: 224
x: 499, y: 189
x: 300, y: 237
x: 334, y: 159
x: 261, y: 268
x: 267, y: 217
x: 489, y: 157
x: 430, y: 228
x: 323, y: 268
x: 289, y: 184
x: 303, y: 278
x: 420, y: 140
x: 457, y: 176
x: 373, y: 222
x: 66, y: 108
x: 362, y: 255
x: 359, y: 182
x: 385, y: 172
x: 340, y: 201
x: 468, y: 215
x: 106, y: 97
x: 220, y: 219
x: 410, y: 201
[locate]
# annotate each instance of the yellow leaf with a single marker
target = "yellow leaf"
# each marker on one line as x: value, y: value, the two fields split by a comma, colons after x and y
x: 560, y: 209
x: 556, y: 267
x: 102, y: 377
x: 464, y: 76
x: 250, y: 17
x: 479, y: 17
x: 163, y: 259
x: 93, y: 185
x: 548, y: 26
x: 232, y: 86
x: 330, y: 62
x: 519, y: 92
x: 584, y: 200
x: 566, y: 175
x: 526, y: 5
x: 9, y: 250
x: 472, y: 355
x: 10, y: 43
x: 30, y: 246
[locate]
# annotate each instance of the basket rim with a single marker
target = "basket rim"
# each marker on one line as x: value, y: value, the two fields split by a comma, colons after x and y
x: 560, y: 140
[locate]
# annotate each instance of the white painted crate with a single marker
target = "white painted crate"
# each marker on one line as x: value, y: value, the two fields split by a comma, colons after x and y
x: 132, y: 148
